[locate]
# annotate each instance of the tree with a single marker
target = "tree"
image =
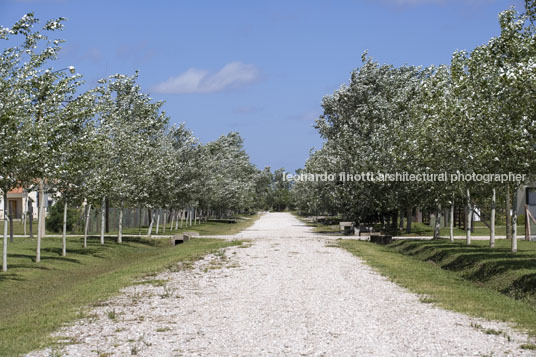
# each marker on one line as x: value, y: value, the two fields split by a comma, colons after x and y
x: 19, y: 74
x: 129, y: 127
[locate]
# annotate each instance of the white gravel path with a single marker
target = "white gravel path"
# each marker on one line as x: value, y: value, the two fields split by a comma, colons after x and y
x: 289, y: 293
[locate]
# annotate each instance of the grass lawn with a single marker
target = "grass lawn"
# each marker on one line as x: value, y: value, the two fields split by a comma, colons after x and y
x: 476, y: 280
x: 18, y: 228
x: 37, y: 299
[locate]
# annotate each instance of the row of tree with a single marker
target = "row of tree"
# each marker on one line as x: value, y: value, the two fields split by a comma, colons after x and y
x: 476, y: 115
x: 110, y: 144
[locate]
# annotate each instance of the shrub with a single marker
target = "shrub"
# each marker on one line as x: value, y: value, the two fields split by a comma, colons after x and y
x: 54, y: 220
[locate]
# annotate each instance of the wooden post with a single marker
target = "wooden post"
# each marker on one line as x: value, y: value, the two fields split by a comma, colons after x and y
x: 514, y: 224
x: 527, y: 223
x: 451, y: 221
x: 107, y: 224
x: 469, y: 219
x: 508, y: 213
x: 492, y: 223
x: 10, y: 222
x: 30, y: 214
x: 4, y: 252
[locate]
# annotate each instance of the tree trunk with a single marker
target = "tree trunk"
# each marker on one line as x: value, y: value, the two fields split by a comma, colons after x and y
x: 107, y: 225
x: 120, y: 227
x: 150, y: 230
x: 103, y: 220
x: 10, y: 225
x: 140, y: 219
x: 472, y: 219
x: 514, y: 224
x: 172, y: 220
x: 86, y: 227
x: 508, y: 213
x: 182, y: 216
x: 408, y: 219
x: 24, y: 218
x: 4, y: 251
x: 40, y: 221
x: 64, y: 237
x: 451, y: 221
x: 469, y: 216
x: 191, y: 214
x: 165, y: 222
x: 43, y: 221
x: 177, y: 220
x: 437, y: 225
x: 492, y: 219
x: 158, y: 220
x: 401, y: 226
x: 30, y: 214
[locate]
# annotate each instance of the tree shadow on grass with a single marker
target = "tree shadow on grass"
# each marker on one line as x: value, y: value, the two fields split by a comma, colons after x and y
x: 44, y: 258
x: 15, y: 276
x: 5, y: 276
x: 417, y: 247
x: 523, y: 287
x: 479, y: 263
x: 488, y: 268
x: 110, y: 241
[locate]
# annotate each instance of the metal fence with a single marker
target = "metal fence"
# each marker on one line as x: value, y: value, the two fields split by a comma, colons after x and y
x: 133, y: 218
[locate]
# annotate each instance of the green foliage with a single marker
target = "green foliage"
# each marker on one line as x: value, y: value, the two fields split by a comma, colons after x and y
x: 113, y: 141
x: 54, y: 220
x: 475, y: 115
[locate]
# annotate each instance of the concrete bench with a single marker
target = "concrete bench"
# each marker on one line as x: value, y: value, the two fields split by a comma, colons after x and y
x: 176, y: 239
x: 346, y: 227
x: 183, y: 237
x: 369, y: 234
x: 187, y: 235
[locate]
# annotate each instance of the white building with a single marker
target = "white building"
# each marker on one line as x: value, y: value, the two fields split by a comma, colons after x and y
x: 18, y: 200
x: 527, y: 196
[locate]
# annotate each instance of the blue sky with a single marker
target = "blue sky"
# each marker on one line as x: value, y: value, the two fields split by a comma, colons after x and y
x: 257, y: 67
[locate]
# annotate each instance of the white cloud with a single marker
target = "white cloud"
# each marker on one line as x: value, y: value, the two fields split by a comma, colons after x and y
x: 232, y: 75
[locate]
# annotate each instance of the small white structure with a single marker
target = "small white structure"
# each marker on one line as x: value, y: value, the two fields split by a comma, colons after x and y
x: 19, y: 201
x: 526, y: 195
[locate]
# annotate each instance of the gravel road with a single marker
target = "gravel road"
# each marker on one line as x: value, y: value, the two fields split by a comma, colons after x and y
x: 288, y: 292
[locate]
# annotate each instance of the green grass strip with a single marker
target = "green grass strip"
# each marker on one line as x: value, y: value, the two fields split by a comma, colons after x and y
x: 446, y: 288
x: 37, y: 299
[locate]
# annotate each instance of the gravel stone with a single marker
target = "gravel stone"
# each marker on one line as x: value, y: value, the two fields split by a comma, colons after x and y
x: 287, y: 293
